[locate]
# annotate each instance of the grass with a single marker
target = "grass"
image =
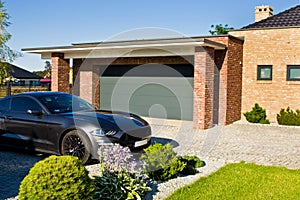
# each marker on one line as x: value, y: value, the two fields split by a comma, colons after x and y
x: 244, y: 181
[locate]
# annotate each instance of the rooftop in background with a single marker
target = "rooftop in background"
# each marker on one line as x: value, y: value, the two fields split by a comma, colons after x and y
x: 20, y: 73
x: 287, y: 18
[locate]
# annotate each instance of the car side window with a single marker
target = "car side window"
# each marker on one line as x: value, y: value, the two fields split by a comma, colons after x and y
x: 24, y: 104
x: 4, y: 104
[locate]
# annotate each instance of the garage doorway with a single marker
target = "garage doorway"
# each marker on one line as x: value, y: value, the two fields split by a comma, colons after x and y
x: 152, y: 90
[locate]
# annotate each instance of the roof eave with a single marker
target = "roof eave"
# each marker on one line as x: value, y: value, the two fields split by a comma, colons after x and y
x: 139, y: 44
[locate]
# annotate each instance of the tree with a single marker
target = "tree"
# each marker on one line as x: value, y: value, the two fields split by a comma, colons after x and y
x: 46, y: 73
x: 47, y: 69
x: 7, y: 55
x: 219, y: 29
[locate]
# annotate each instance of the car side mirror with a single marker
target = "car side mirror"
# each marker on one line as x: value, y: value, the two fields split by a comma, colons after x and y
x: 34, y: 112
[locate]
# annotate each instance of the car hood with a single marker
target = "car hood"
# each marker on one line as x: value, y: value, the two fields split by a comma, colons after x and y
x: 108, y: 120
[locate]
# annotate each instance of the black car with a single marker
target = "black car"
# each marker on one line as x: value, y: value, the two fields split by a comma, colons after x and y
x: 64, y: 124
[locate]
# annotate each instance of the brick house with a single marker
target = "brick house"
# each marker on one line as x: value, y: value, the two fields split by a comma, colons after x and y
x: 271, y: 62
x: 209, y: 80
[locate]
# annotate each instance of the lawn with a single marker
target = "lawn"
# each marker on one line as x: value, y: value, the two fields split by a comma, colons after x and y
x: 244, y: 181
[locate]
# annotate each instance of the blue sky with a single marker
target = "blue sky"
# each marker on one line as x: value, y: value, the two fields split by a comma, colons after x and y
x: 40, y: 23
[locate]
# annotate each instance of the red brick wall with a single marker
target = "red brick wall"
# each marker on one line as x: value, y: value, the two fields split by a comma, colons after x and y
x: 60, y: 73
x: 76, y: 79
x: 230, y: 92
x: 142, y: 60
x: 203, y: 87
x: 234, y: 80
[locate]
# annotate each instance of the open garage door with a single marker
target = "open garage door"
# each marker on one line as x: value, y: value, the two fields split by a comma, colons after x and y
x: 149, y: 90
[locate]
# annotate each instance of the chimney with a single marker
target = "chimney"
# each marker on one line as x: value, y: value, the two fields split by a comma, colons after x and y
x: 263, y: 12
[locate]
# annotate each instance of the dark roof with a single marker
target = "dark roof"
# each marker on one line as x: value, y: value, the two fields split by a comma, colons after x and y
x: 287, y: 18
x: 20, y: 73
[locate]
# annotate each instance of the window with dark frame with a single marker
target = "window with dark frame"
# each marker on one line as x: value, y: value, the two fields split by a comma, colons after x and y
x: 264, y: 72
x: 293, y: 73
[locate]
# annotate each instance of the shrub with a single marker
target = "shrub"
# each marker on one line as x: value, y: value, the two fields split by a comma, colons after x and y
x: 161, y: 162
x: 257, y: 115
x: 192, y: 162
x: 117, y: 158
x: 107, y: 186
x: 57, y: 177
x: 289, y: 117
x: 119, y: 185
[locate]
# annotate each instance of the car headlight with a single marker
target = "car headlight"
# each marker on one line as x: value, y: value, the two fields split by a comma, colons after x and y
x: 98, y: 132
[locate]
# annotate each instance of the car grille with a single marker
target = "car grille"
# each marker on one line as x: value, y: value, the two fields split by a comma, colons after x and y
x: 110, y: 133
x: 137, y: 135
x: 140, y: 133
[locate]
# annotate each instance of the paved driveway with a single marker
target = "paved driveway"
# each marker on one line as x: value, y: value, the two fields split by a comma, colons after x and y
x: 15, y: 165
x: 261, y: 144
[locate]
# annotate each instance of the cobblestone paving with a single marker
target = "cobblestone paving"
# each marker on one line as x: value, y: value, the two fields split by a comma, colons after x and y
x: 261, y: 144
x: 15, y: 165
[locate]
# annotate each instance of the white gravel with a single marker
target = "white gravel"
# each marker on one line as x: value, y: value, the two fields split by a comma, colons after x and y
x: 161, y: 190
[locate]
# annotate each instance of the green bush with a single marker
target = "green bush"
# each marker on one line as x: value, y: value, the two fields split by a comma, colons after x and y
x: 57, y: 177
x: 289, y: 117
x: 161, y: 162
x: 257, y: 115
x: 119, y: 185
x: 192, y: 162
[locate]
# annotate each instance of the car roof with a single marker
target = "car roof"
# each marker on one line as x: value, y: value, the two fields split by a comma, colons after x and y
x: 38, y: 94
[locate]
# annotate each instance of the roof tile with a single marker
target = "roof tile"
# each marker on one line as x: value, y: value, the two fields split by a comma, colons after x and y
x: 287, y: 18
x: 20, y: 73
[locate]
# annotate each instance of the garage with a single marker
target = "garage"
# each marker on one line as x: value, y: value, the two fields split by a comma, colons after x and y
x: 155, y: 90
x: 196, y: 78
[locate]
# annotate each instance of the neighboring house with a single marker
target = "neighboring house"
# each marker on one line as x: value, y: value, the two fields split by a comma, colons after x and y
x: 24, y: 77
x: 210, y: 79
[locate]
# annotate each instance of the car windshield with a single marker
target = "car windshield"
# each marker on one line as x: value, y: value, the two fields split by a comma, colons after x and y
x: 62, y: 103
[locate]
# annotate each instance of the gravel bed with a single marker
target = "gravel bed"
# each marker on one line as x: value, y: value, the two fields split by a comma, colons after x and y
x: 161, y: 190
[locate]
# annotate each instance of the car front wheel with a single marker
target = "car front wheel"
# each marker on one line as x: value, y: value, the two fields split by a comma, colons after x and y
x: 76, y: 144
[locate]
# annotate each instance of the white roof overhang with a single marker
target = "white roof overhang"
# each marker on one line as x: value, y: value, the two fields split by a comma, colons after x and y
x: 134, y: 48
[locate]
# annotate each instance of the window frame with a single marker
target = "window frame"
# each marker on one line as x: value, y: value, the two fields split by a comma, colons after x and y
x: 260, y: 67
x: 9, y: 102
x: 288, y: 72
x: 12, y: 108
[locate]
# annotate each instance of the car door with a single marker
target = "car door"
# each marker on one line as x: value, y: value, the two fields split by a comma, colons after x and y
x: 27, y: 121
x: 4, y: 107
